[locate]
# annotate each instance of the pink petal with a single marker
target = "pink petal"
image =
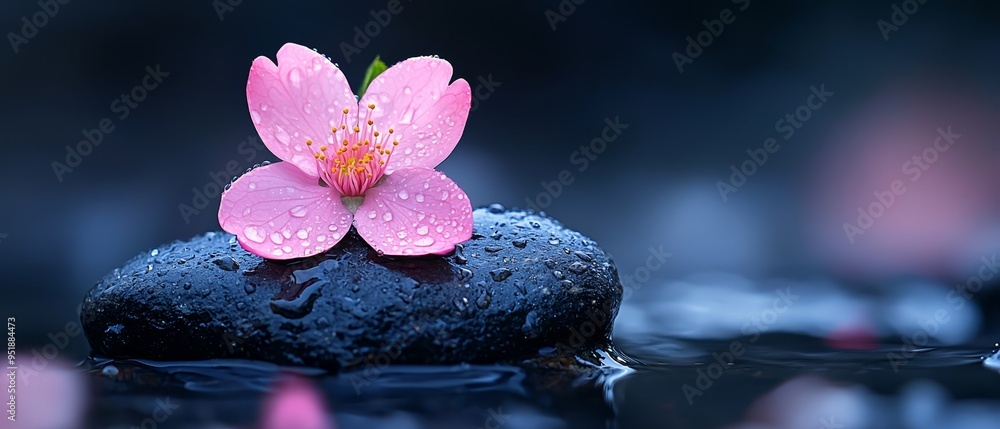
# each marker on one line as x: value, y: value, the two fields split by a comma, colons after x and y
x: 299, y: 99
x: 278, y: 212
x: 428, y: 115
x: 415, y: 211
x: 296, y: 403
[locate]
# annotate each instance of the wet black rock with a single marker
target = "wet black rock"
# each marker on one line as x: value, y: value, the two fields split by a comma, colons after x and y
x: 523, y: 285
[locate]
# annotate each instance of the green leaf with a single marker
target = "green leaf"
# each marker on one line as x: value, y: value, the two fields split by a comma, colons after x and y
x: 376, y: 68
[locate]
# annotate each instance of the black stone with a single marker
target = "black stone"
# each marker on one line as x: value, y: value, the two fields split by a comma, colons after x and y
x: 523, y: 283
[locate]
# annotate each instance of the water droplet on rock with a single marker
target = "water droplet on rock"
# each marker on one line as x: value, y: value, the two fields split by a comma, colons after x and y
x: 460, y: 254
x: 496, y: 208
x: 249, y: 288
x: 500, y: 274
x: 227, y: 263
x: 584, y: 256
x: 300, y: 306
x: 578, y: 267
x: 493, y: 248
x: 483, y: 302
x: 520, y: 243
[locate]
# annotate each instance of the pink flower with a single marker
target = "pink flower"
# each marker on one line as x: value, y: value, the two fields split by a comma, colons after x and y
x: 369, y: 162
x: 295, y: 403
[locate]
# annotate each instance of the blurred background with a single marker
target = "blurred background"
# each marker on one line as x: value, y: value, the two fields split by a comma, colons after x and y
x: 841, y: 155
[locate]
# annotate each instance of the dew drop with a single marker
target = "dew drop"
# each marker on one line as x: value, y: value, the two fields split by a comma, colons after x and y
x: 500, y: 274
x: 420, y: 198
x: 281, y: 134
x: 254, y: 233
x: 298, y: 211
x: 387, y: 216
x: 423, y: 242
x: 403, y: 195
x: 422, y: 230
x: 295, y: 77
x: 276, y: 238
x: 302, y: 234
x: 371, y: 214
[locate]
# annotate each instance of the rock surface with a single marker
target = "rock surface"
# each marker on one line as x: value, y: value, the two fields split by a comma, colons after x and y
x: 522, y: 284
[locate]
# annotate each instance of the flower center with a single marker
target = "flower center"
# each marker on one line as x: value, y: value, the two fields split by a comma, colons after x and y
x: 356, y: 160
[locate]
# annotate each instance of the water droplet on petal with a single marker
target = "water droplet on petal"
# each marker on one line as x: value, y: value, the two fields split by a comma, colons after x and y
x: 422, y: 230
x: 295, y: 77
x: 276, y: 238
x: 423, y: 242
x: 403, y: 194
x: 281, y: 134
x: 252, y: 186
x: 420, y: 198
x: 302, y: 234
x: 387, y: 216
x: 372, y: 214
x: 298, y: 211
x: 255, y: 117
x: 254, y: 233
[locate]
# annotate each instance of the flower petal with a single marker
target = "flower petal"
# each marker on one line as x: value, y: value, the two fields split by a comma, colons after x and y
x: 415, y: 211
x: 429, y: 115
x: 278, y: 212
x: 301, y: 98
x: 295, y: 403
